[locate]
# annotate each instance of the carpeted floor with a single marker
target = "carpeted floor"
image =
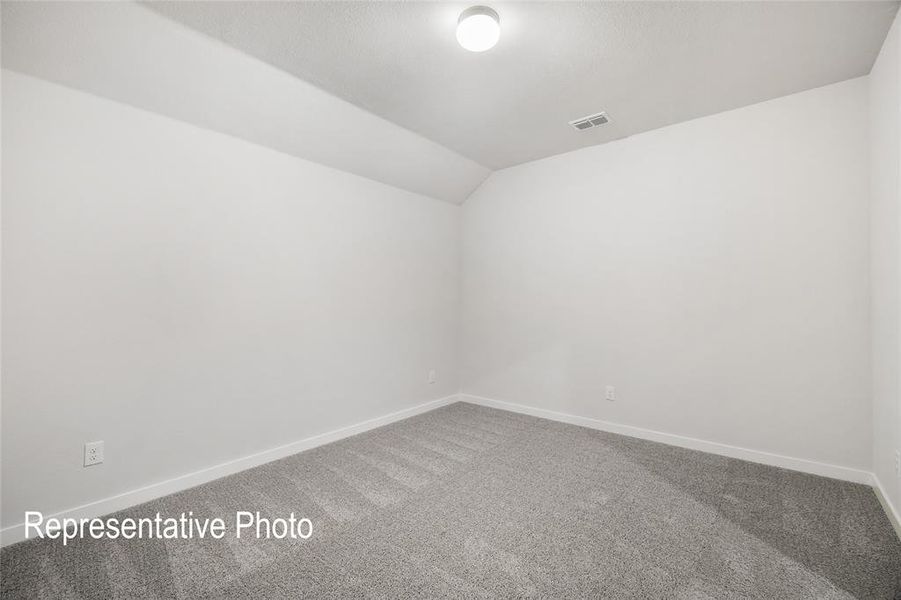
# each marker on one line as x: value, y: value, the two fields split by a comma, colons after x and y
x: 469, y: 502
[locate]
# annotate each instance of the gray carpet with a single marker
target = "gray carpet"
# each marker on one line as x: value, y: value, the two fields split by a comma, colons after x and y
x: 469, y: 502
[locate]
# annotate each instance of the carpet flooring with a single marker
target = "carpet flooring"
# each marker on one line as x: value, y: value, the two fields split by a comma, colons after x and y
x: 470, y: 502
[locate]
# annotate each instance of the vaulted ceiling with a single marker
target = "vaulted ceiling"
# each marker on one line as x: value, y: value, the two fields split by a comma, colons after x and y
x: 383, y: 90
x: 648, y: 64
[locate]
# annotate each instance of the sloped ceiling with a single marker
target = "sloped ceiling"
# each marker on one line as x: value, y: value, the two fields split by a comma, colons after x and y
x: 648, y: 64
x: 382, y: 89
x: 125, y: 52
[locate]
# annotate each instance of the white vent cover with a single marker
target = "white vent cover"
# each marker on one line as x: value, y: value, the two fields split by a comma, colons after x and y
x: 590, y: 121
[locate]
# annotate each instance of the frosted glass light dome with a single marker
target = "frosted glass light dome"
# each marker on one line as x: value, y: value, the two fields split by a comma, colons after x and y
x: 478, y: 28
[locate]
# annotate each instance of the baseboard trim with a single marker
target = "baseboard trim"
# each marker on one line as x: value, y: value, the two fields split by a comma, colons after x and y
x: 891, y: 512
x: 16, y: 533
x: 757, y: 456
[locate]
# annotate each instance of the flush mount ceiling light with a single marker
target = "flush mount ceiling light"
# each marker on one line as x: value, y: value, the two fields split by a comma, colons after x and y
x: 478, y: 28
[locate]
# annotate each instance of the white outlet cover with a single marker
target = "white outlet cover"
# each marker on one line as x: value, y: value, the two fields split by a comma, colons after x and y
x: 93, y: 453
x: 433, y: 377
x: 610, y: 393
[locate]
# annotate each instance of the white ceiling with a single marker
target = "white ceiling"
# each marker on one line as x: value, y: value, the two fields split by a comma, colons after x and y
x: 382, y: 90
x: 648, y: 64
x: 127, y: 53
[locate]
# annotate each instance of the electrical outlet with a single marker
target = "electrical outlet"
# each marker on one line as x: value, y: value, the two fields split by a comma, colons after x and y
x: 433, y: 377
x: 898, y: 463
x: 610, y: 394
x: 93, y: 453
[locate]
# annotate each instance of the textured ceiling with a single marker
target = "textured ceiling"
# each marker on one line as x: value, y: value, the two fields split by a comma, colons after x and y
x: 648, y: 64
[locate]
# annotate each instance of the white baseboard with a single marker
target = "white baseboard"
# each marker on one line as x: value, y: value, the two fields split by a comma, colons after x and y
x: 16, y: 533
x: 894, y: 516
x: 757, y: 456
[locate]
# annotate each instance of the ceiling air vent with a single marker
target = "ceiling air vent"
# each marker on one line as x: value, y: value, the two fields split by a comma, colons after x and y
x: 590, y: 121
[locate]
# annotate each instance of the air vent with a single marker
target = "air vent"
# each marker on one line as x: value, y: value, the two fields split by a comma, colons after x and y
x: 590, y: 121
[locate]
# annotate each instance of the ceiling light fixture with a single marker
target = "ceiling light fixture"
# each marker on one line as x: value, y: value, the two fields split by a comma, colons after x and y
x: 478, y: 28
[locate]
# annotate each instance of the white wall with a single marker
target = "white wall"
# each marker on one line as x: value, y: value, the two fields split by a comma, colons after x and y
x: 885, y: 159
x: 715, y: 272
x: 190, y: 298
